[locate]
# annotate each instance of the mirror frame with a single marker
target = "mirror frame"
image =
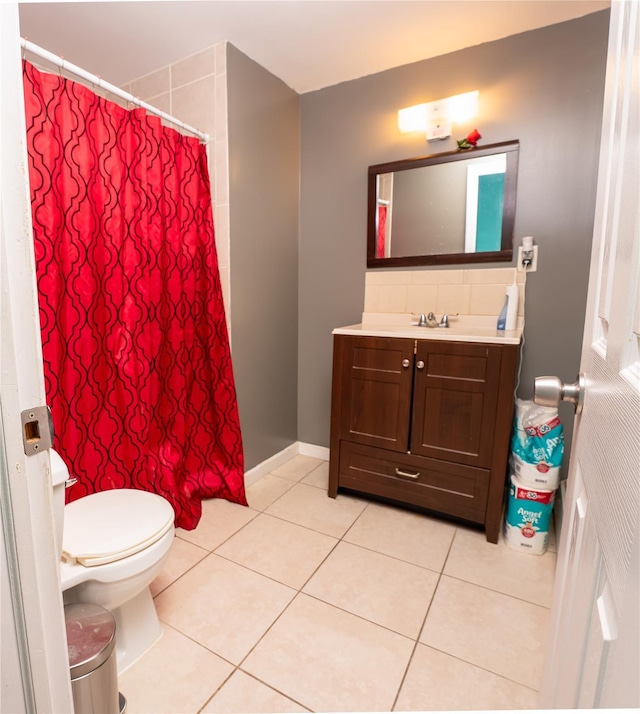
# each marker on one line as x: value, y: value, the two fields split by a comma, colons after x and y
x: 510, y: 148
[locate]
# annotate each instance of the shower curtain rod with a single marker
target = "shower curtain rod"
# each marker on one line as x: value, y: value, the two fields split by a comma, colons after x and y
x: 94, y: 79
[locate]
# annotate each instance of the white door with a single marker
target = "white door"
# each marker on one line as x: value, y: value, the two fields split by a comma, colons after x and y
x: 35, y: 665
x: 593, y: 656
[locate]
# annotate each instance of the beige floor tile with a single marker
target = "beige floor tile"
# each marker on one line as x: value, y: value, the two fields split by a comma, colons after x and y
x: 319, y: 477
x: 267, y: 490
x: 176, y: 676
x: 498, y: 567
x: 278, y: 549
x: 403, y: 534
x: 297, y: 468
x: 330, y: 660
x: 385, y: 590
x: 223, y: 606
x: 243, y: 694
x: 220, y: 519
x: 494, y: 631
x: 434, y: 679
x: 182, y: 557
x: 312, y: 508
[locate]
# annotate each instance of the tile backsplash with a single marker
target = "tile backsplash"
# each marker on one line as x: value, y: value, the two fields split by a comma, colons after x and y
x: 467, y: 292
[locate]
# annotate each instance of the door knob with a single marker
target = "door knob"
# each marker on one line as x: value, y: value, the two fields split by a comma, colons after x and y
x: 550, y: 391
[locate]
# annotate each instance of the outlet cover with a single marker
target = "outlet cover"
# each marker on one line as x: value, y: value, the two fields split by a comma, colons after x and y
x: 534, y: 263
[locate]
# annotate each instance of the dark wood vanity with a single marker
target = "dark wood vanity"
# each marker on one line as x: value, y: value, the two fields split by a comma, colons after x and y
x: 424, y: 422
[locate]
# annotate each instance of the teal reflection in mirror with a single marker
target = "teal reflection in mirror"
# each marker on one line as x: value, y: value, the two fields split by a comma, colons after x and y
x: 454, y: 207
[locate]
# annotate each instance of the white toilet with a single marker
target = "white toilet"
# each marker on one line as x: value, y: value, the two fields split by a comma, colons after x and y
x: 112, y: 545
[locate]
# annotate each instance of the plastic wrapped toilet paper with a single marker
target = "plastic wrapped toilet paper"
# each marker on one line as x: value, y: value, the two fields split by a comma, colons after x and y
x: 528, y: 517
x: 537, y: 445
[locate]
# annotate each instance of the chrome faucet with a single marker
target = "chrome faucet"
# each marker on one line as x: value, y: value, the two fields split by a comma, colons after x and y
x: 445, y: 320
x: 429, y: 320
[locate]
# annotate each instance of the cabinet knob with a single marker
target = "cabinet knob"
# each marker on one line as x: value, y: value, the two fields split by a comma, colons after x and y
x: 406, y: 363
x: 420, y: 364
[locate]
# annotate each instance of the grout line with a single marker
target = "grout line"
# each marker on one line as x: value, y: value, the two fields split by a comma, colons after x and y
x: 297, y: 592
x: 497, y: 592
x: 213, y: 551
x: 216, y: 654
x: 236, y: 667
x: 168, y: 585
x: 277, y: 498
x: 257, y: 572
x: 394, y: 557
x: 360, y: 617
x: 477, y: 666
x: 270, y: 686
x: 424, y: 622
x: 264, y: 634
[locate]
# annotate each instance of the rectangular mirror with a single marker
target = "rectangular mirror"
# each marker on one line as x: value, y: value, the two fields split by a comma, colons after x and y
x: 449, y: 208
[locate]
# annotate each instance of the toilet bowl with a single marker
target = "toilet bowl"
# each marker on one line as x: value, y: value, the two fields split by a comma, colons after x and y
x: 112, y: 545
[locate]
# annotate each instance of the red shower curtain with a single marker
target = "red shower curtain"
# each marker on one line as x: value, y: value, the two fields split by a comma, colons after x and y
x: 382, y: 232
x: 136, y: 354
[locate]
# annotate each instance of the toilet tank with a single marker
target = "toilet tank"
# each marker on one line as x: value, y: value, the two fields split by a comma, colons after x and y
x: 59, y: 476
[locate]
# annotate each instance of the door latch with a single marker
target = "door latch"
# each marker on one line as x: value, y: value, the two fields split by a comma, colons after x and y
x: 37, y: 430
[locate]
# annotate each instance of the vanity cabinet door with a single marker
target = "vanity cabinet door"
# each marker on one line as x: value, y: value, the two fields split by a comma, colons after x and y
x: 455, y: 401
x: 377, y: 375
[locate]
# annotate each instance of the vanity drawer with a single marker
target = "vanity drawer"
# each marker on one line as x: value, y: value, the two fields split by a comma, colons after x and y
x: 442, y: 486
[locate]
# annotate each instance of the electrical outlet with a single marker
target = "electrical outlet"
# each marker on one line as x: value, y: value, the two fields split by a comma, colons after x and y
x: 533, y: 265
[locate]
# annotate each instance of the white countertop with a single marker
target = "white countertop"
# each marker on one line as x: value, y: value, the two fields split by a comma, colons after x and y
x: 466, y: 328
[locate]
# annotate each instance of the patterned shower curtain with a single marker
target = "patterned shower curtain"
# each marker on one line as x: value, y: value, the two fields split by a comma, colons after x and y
x: 137, y: 362
x: 382, y: 232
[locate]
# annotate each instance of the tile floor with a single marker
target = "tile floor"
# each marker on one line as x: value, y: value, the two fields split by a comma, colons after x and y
x: 305, y: 603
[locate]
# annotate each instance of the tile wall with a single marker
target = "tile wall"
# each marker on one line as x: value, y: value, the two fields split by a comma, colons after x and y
x: 194, y: 90
x: 479, y: 292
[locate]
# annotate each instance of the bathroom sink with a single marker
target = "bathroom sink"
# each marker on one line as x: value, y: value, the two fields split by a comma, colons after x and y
x: 467, y: 329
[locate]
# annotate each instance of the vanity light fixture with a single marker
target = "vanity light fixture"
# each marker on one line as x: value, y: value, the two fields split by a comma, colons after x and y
x: 436, y: 118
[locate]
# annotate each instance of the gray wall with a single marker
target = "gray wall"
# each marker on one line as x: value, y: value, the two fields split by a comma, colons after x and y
x: 264, y: 163
x: 543, y: 87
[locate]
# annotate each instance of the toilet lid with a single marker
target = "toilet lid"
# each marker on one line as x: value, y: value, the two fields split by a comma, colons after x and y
x: 111, y: 525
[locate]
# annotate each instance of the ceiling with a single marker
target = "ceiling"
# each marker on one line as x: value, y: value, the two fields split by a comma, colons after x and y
x: 309, y: 44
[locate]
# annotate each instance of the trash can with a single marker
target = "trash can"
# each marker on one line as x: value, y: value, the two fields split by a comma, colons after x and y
x: 91, y: 640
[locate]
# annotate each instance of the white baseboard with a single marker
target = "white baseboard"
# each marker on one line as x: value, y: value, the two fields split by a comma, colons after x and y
x: 318, y: 452
x: 268, y: 465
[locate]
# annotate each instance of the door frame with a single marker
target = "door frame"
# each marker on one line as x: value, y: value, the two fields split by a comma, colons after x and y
x: 36, y: 591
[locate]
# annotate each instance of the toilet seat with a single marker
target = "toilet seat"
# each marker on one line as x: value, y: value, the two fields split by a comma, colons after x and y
x: 111, y: 525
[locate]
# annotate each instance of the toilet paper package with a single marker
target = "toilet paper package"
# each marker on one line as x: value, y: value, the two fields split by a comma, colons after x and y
x: 537, y: 445
x: 528, y: 517
x: 539, y: 475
